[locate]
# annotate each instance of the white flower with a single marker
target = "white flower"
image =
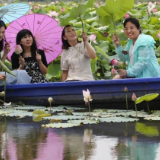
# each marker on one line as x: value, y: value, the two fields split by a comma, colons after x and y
x: 87, y: 96
x: 53, y: 14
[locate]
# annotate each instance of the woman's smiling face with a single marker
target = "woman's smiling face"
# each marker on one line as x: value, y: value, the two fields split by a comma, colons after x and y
x: 131, y: 31
x: 70, y: 34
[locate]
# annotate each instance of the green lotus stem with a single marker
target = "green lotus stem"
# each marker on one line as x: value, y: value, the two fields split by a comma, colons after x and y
x: 50, y: 106
x: 135, y: 108
x: 148, y: 107
x: 113, y: 24
x: 126, y: 103
x: 89, y: 109
x: 82, y: 24
x: 5, y: 87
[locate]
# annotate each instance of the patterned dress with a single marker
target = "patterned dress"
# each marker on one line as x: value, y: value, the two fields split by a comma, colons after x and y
x: 31, y: 67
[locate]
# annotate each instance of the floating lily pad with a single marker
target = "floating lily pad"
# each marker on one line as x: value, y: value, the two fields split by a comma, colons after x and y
x: 152, y: 117
x: 64, y: 117
x: 118, y: 119
x: 28, y: 107
x: 4, y: 112
x: 17, y: 113
x: 85, y: 121
x: 59, y: 125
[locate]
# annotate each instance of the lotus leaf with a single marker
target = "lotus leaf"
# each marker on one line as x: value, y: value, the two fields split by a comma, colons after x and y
x: 86, y: 121
x: 117, y: 119
x: 139, y: 100
x: 114, y: 10
x: 59, y: 125
x: 150, y: 97
x: 76, y: 11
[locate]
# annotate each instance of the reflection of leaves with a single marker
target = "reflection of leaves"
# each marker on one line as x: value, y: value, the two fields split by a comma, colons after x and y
x: 147, y: 130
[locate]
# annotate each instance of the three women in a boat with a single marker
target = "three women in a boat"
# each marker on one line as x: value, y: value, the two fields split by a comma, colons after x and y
x: 76, y: 55
x: 21, y: 76
x: 139, y: 52
x: 31, y: 59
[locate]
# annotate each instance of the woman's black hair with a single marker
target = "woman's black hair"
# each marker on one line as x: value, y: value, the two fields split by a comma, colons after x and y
x: 2, y: 24
x: 134, y: 21
x: 65, y: 44
x: 22, y: 33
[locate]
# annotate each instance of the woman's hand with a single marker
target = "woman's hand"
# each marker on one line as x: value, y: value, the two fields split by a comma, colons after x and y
x: 116, y: 40
x: 122, y: 73
x: 21, y: 62
x: 85, y: 37
x: 7, y: 48
x: 2, y: 77
x: 38, y: 58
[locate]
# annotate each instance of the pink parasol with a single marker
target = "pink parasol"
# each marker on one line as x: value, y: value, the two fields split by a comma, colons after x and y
x: 45, y: 29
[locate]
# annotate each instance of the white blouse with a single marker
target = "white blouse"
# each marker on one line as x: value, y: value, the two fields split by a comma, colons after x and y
x: 76, y: 61
x: 131, y: 55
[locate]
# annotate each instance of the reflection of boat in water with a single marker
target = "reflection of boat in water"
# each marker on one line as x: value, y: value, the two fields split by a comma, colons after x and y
x: 109, y: 140
x: 109, y: 93
x: 28, y: 141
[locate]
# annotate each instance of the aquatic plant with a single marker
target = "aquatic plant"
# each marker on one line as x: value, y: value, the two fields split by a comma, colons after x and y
x: 134, y: 98
x: 37, y: 115
x: 147, y: 98
x: 87, y: 99
x: 18, y: 49
x: 113, y: 10
x: 126, y: 91
x: 50, y: 100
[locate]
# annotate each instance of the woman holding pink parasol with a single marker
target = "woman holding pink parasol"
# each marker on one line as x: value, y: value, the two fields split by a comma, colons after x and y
x: 31, y: 59
x: 21, y: 76
x: 75, y: 58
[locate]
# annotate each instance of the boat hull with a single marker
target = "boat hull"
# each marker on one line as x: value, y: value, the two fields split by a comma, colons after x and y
x: 103, y: 92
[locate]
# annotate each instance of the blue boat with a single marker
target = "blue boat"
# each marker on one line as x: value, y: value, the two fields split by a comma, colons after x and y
x: 105, y: 93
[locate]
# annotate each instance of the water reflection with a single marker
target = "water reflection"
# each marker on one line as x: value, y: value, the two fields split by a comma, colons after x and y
x: 25, y: 140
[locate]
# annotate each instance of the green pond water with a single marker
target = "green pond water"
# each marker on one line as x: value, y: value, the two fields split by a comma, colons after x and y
x: 24, y: 139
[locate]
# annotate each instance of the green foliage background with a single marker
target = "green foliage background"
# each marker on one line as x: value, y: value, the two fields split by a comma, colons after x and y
x: 150, y: 24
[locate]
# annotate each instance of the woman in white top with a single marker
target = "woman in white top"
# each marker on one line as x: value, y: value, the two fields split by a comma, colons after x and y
x: 21, y: 76
x: 75, y: 58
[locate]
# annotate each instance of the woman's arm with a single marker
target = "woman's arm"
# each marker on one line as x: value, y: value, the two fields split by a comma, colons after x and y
x: 41, y: 59
x: 91, y: 52
x: 64, y: 75
x: 15, y: 61
x: 141, y: 64
x: 42, y: 67
x: 119, y: 49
